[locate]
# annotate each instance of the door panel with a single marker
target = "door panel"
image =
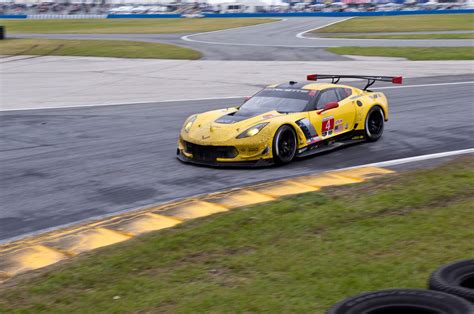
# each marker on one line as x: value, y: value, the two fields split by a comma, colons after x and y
x: 334, y: 121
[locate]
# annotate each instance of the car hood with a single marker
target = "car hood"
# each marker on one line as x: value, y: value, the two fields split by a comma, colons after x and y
x: 223, y: 125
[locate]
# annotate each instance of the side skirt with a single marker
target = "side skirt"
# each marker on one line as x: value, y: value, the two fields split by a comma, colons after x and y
x: 352, y: 137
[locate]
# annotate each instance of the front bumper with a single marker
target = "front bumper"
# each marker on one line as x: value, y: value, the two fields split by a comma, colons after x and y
x: 217, y: 163
x: 237, y: 153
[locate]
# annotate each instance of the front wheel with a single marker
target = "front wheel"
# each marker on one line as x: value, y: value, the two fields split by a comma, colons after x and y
x: 284, y: 145
x: 374, y: 124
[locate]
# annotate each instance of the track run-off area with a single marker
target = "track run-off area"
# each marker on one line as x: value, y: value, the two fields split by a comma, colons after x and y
x: 284, y: 39
x: 62, y: 166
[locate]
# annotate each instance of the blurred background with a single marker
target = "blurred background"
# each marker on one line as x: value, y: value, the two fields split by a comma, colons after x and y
x: 198, y: 8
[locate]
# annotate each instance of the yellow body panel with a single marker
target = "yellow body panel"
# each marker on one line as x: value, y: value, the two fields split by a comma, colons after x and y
x: 349, y: 116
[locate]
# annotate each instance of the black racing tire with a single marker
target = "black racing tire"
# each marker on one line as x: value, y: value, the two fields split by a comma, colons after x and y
x: 284, y: 145
x: 456, y: 278
x: 374, y: 124
x: 406, y: 301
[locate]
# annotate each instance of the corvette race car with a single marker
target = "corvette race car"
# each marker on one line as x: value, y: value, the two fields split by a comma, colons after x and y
x: 282, y: 122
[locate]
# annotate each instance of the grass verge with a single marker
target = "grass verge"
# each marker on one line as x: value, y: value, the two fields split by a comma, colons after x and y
x: 411, y: 53
x: 298, y: 254
x: 414, y: 36
x: 126, y: 26
x: 95, y: 48
x: 411, y: 23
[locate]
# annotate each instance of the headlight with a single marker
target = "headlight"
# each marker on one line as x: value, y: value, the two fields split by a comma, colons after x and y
x: 189, y: 123
x: 253, y: 130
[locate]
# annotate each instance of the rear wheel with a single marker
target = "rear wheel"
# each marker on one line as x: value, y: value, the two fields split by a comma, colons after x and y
x: 374, y: 124
x: 284, y: 145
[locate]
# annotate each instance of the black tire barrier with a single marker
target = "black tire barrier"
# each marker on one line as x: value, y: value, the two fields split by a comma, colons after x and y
x: 456, y: 278
x: 412, y: 301
x: 2, y: 32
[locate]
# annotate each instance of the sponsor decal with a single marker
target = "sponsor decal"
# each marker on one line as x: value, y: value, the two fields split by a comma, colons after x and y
x: 338, y: 129
x: 375, y: 96
x: 358, y: 137
x: 347, y: 126
x: 313, y: 140
x: 338, y: 121
x: 312, y: 93
x: 268, y: 116
x: 327, y: 125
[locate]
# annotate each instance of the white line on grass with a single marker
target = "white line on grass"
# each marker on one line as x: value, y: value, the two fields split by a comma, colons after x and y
x: 301, y: 35
x: 188, y: 38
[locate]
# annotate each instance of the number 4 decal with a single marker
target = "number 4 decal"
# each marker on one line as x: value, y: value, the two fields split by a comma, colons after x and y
x: 327, y: 126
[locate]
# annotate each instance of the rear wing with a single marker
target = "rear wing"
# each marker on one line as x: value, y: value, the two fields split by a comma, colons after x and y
x: 370, y: 79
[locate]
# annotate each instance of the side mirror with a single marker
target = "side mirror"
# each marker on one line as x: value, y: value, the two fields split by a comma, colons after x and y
x: 329, y: 106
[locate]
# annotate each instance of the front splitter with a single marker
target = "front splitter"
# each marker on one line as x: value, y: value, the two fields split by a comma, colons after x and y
x: 240, y: 164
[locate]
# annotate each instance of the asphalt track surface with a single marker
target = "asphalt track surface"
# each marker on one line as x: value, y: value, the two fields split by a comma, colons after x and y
x: 280, y: 40
x: 61, y: 166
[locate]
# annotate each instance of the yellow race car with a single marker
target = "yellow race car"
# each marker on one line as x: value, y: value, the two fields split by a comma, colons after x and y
x: 282, y: 122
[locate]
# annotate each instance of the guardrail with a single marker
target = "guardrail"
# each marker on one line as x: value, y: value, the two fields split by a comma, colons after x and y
x: 235, y: 15
x: 65, y: 17
x: 13, y: 16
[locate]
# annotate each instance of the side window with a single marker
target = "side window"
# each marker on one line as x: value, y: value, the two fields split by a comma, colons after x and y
x: 344, y: 93
x: 328, y: 95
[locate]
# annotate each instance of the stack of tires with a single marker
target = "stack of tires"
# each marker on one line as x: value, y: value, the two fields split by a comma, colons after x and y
x: 451, y: 291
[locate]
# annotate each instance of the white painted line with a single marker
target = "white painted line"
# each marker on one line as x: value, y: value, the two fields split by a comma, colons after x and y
x: 301, y: 35
x: 217, y: 98
x: 407, y: 160
x: 124, y: 104
x: 188, y: 38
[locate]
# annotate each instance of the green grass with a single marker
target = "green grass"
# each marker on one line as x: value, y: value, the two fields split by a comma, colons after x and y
x: 300, y: 254
x: 414, y: 36
x: 412, y: 23
x: 95, y: 48
x: 411, y: 53
x: 126, y: 26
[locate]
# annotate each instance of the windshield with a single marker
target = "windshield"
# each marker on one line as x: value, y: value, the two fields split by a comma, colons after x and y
x: 279, y: 99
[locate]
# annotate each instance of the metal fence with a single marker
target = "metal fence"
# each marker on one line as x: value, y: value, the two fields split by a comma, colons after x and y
x: 233, y: 15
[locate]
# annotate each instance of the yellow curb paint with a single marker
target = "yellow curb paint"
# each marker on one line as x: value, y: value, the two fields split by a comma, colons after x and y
x: 50, y: 248
x: 192, y: 209
x: 238, y: 198
x: 30, y: 258
x: 363, y: 173
x: 144, y: 223
x: 283, y: 188
x: 88, y: 240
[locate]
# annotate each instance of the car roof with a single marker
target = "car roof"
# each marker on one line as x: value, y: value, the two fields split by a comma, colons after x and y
x: 307, y: 85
